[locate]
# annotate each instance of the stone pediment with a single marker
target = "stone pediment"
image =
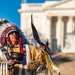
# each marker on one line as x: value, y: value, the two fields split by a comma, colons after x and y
x: 64, y: 4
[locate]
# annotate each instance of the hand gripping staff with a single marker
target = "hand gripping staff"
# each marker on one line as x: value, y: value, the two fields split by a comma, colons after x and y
x: 49, y: 62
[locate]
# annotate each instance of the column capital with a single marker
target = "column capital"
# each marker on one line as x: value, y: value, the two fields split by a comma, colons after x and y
x: 49, y: 17
x: 60, y: 17
x: 71, y: 17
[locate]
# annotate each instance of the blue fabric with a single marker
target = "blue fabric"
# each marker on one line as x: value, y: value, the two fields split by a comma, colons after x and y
x: 6, y: 53
x: 23, y: 61
x: 24, y: 58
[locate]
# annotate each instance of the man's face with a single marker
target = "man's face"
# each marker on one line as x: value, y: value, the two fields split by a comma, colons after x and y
x: 13, y: 37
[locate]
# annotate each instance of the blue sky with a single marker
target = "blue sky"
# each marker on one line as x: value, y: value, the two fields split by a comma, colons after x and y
x: 9, y: 9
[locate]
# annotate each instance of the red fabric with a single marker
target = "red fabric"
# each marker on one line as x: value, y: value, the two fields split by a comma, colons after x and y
x: 21, y: 48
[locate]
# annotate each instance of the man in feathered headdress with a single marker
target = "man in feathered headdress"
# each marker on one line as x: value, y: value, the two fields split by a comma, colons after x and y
x: 14, y: 44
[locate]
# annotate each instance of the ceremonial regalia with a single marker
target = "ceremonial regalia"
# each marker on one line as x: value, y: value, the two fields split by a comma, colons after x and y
x: 32, y: 56
x: 31, y: 60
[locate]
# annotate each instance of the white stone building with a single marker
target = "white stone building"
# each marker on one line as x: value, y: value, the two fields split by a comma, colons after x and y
x: 54, y: 20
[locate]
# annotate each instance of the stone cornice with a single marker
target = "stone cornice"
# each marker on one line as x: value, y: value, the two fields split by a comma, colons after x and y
x: 30, y: 10
x: 29, y: 7
x: 42, y: 10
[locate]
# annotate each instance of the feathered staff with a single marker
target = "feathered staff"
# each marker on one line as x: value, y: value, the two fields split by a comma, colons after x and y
x: 49, y: 62
x: 36, y: 36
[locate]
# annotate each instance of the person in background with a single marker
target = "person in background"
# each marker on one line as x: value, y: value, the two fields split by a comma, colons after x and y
x: 12, y: 41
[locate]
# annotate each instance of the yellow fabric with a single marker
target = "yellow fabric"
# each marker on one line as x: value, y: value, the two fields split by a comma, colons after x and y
x: 36, y: 54
x: 49, y: 63
x: 36, y: 57
x: 16, y: 48
x: 41, y: 57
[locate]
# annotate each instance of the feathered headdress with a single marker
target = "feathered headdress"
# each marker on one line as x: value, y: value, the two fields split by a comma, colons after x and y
x: 6, y: 28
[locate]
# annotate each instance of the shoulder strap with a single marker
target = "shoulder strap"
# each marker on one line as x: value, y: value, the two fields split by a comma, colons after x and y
x: 27, y: 53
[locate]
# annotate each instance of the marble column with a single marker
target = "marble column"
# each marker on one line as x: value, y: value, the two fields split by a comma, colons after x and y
x: 70, y: 25
x: 49, y: 30
x: 62, y: 35
x: 73, y: 27
x: 58, y: 32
